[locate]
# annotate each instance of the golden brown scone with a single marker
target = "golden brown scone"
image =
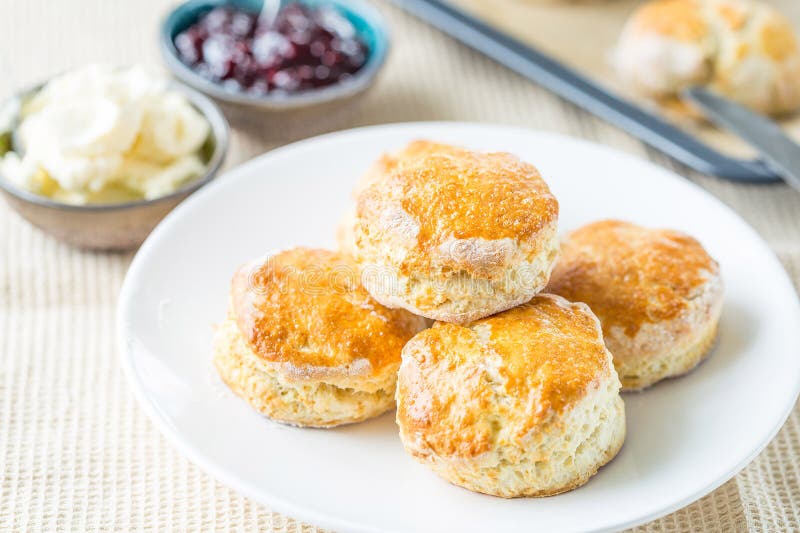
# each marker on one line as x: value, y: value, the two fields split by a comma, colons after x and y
x: 453, y: 234
x: 345, y: 235
x: 657, y: 293
x: 742, y: 49
x: 522, y: 403
x: 305, y: 344
x: 345, y: 231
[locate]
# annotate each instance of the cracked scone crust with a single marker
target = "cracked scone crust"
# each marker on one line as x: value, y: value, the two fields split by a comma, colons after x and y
x: 657, y: 293
x: 523, y: 403
x: 305, y: 344
x: 742, y: 49
x: 453, y: 234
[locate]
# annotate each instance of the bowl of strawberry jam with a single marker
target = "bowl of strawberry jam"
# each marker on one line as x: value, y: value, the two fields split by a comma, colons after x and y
x: 310, y: 52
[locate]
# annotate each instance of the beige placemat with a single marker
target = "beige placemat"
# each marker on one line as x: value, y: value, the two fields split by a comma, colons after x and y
x: 76, y: 452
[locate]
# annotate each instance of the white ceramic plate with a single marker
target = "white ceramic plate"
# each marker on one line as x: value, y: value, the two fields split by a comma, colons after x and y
x: 685, y: 436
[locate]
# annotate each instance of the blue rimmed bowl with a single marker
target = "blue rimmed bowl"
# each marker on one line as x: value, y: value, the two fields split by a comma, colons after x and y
x: 369, y: 24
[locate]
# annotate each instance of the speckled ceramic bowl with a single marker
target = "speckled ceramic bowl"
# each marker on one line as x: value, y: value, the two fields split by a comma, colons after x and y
x: 368, y: 22
x: 119, y: 226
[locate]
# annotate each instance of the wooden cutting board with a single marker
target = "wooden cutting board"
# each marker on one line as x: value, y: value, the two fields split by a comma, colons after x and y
x: 582, y: 35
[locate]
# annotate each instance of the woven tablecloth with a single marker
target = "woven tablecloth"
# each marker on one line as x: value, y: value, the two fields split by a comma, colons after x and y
x: 77, y: 453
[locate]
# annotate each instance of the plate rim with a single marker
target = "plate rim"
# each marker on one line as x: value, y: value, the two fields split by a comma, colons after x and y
x: 231, y: 176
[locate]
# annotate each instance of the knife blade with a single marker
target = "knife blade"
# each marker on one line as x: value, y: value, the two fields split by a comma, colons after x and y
x: 776, y: 148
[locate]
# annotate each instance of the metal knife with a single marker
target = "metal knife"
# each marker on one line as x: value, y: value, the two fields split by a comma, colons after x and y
x: 778, y: 151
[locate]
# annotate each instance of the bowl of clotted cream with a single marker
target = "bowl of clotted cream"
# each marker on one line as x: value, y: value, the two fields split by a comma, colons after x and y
x: 99, y: 155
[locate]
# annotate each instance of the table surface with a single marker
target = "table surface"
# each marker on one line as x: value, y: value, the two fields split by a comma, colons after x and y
x: 77, y: 453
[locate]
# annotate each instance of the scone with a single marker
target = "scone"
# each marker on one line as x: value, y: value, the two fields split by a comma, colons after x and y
x: 453, y: 234
x: 657, y: 293
x: 345, y: 235
x: 742, y: 49
x: 345, y: 231
x: 305, y: 344
x: 523, y: 403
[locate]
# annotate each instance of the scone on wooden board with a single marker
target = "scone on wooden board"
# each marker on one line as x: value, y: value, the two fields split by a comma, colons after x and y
x: 522, y: 403
x: 305, y: 344
x: 454, y: 234
x: 745, y: 50
x: 657, y: 293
